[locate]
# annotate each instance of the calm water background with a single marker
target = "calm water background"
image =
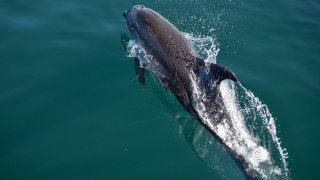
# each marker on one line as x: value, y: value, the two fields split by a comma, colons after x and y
x: 71, y: 107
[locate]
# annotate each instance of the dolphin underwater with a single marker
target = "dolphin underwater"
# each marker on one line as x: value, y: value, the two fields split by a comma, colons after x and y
x: 174, y: 61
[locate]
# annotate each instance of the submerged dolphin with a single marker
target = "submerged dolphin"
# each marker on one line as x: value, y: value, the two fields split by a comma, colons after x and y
x: 179, y: 67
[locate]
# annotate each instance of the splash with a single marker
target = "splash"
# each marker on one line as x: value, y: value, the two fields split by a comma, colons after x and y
x: 205, y: 46
x: 146, y: 60
x: 263, y: 114
x: 254, y: 135
x: 259, y: 143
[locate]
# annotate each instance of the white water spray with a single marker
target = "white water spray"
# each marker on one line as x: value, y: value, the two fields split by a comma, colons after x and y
x: 254, y: 150
x: 255, y: 126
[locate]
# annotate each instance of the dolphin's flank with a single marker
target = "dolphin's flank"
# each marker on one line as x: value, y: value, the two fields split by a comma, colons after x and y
x: 179, y: 67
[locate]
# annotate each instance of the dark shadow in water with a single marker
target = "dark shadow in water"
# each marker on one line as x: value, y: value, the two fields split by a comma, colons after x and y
x: 199, y: 138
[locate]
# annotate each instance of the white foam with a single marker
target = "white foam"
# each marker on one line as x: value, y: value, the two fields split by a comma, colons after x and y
x: 269, y: 122
x: 239, y: 137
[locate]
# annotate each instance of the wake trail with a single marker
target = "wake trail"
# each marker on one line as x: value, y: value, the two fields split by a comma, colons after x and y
x: 253, y: 133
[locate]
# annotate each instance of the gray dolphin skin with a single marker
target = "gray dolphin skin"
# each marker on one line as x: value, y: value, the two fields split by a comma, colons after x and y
x: 179, y: 67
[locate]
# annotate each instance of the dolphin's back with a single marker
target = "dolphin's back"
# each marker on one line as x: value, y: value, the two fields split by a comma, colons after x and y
x: 165, y: 41
x: 194, y: 82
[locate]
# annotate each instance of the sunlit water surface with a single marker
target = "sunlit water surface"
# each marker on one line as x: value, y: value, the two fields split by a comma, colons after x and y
x: 72, y: 108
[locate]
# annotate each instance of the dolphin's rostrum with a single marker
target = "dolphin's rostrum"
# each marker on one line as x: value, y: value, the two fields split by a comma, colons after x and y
x: 180, y: 68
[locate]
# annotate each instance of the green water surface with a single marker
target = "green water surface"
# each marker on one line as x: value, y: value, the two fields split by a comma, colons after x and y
x: 72, y: 108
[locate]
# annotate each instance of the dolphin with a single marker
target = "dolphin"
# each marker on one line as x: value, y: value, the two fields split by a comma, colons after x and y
x: 167, y: 53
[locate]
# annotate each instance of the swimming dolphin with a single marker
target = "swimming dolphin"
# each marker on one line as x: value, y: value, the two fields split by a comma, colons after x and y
x: 167, y: 53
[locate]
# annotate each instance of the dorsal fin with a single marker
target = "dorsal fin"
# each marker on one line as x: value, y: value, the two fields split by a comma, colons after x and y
x: 220, y: 73
x: 216, y: 72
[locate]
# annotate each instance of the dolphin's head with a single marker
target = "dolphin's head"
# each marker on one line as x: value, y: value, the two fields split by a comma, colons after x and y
x: 138, y: 18
x: 133, y: 11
